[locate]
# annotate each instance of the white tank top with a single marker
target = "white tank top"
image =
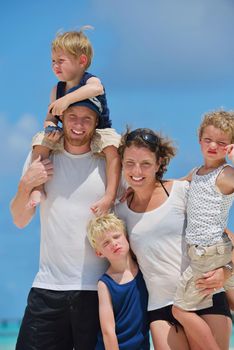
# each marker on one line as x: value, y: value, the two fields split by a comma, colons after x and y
x: 207, y: 209
x: 157, y: 239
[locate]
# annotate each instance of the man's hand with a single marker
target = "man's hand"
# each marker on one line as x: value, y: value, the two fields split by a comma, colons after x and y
x: 38, y: 173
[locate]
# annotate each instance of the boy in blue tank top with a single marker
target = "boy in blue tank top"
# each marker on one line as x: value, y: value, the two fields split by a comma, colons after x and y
x: 122, y: 292
x: 71, y: 55
x: 210, y: 197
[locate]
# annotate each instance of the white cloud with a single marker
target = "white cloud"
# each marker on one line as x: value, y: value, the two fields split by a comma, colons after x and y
x: 15, y: 141
x: 165, y: 40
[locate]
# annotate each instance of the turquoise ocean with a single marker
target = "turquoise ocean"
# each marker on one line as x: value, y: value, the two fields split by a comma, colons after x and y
x: 9, y: 330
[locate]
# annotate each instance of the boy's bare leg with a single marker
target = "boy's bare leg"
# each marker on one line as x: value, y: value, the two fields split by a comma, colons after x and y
x: 113, y: 171
x: 38, y: 193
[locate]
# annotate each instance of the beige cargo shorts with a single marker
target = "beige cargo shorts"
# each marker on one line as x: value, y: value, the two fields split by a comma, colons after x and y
x: 203, y: 259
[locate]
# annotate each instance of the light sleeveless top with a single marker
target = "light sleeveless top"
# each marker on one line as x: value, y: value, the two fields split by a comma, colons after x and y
x: 207, y: 209
x: 157, y: 239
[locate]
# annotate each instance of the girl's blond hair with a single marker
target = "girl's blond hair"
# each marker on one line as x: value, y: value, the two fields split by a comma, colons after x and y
x: 220, y: 119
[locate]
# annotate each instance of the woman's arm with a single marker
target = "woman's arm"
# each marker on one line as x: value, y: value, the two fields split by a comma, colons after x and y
x: 107, y: 319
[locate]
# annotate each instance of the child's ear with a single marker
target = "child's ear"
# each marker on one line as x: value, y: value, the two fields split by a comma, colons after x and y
x: 99, y: 254
x: 83, y: 60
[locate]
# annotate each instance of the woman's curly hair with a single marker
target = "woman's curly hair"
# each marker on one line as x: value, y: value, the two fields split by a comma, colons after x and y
x: 162, y: 147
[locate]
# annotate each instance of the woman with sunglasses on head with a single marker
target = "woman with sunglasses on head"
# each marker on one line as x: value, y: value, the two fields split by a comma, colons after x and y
x: 155, y: 214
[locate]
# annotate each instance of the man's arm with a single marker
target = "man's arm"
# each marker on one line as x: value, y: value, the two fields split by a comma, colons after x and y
x: 107, y: 319
x: 37, y: 173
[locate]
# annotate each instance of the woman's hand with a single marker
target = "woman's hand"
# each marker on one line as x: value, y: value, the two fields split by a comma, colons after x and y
x: 212, y: 280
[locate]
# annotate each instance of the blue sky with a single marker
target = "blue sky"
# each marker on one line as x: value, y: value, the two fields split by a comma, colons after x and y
x: 163, y: 63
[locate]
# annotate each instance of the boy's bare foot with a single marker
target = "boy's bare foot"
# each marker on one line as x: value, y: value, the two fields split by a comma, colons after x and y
x: 102, y: 206
x: 35, y: 198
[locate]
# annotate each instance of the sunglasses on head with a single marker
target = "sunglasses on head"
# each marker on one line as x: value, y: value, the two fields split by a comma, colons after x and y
x: 145, y: 136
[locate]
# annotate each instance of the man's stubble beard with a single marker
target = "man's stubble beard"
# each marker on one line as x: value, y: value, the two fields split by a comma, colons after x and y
x: 78, y: 142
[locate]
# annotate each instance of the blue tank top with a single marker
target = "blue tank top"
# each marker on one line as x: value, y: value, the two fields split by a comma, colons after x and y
x: 129, y: 302
x: 104, y: 121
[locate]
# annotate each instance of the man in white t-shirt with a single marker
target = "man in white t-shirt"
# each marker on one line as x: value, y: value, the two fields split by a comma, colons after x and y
x: 62, y: 309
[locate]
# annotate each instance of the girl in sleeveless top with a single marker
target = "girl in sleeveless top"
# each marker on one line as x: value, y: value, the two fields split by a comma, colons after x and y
x: 210, y: 197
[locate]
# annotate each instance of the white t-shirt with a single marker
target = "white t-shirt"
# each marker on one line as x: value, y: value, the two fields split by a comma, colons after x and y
x: 67, y: 261
x: 157, y: 240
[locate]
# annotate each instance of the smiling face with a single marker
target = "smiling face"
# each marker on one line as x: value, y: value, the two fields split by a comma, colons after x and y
x: 112, y: 245
x: 139, y: 166
x: 79, y: 124
x: 213, y: 142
